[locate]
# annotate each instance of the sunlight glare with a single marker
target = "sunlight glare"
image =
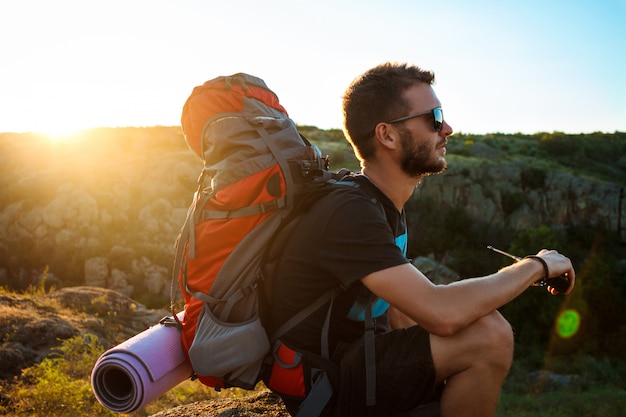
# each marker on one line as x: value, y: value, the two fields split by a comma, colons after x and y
x: 567, y: 323
x: 58, y: 130
x: 64, y: 135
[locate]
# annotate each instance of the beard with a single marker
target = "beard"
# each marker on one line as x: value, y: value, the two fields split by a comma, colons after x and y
x: 418, y: 158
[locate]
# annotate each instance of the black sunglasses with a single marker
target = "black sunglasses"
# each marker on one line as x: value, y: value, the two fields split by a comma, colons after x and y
x: 437, y: 117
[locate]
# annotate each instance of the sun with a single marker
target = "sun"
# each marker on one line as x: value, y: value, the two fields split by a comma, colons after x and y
x: 62, y: 135
x: 59, y: 112
x: 57, y: 128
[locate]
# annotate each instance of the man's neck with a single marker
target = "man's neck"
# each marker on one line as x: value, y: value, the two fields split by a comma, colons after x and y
x: 395, y: 185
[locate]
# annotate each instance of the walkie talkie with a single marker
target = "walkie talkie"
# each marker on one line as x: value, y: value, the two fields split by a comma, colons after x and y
x: 560, y: 283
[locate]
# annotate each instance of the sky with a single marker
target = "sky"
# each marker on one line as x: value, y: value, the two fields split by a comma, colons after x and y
x: 504, y: 66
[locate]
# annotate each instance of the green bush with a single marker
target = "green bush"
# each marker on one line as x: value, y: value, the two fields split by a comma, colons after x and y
x: 60, y: 384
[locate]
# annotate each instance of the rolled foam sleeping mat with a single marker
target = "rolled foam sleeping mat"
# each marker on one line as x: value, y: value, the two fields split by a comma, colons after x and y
x: 141, y: 369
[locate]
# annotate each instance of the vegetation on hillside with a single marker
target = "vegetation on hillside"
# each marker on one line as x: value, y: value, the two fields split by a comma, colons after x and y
x: 107, y: 162
x: 601, y: 155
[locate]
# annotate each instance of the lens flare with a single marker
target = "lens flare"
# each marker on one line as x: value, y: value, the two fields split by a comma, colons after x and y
x: 567, y: 323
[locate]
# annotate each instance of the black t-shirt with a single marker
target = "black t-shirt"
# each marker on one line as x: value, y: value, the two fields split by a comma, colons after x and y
x: 343, y: 238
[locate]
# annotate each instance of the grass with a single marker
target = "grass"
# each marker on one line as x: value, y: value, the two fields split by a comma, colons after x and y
x: 596, y: 388
x: 59, y: 386
x: 597, y: 402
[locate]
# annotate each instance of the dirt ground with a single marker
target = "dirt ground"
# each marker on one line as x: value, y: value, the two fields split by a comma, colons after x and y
x: 263, y: 404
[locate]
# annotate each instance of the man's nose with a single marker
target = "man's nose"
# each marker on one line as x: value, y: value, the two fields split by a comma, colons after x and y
x: 446, y: 130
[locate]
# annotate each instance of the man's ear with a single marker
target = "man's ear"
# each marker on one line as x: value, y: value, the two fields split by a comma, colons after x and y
x: 386, y: 135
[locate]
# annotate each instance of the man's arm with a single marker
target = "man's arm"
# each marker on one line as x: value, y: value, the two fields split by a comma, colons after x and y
x: 443, y: 310
x: 399, y: 320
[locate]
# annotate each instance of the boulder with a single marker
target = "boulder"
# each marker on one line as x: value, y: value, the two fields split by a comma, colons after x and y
x: 96, y: 271
x: 33, y: 325
x: 436, y: 272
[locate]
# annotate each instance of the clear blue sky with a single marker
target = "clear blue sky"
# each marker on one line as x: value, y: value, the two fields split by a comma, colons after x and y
x: 501, y: 66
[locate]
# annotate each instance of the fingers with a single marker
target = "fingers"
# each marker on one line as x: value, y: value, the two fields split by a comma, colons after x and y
x: 571, y: 276
x: 559, y: 265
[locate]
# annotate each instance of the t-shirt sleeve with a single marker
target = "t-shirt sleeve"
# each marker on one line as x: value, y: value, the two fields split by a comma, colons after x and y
x: 359, y: 241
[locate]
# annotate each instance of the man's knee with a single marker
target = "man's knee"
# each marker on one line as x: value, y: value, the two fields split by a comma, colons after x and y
x: 496, y: 337
x: 487, y: 343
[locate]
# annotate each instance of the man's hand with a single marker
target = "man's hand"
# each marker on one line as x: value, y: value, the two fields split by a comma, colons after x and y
x: 558, y: 265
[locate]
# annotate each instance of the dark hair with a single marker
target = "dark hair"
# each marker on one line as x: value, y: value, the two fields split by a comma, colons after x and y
x: 376, y: 96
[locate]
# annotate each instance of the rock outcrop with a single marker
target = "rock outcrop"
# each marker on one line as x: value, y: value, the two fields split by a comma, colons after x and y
x: 562, y: 198
x: 103, y: 211
x: 106, y: 211
x: 33, y: 324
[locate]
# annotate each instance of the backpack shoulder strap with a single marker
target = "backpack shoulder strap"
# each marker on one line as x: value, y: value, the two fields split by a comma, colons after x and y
x: 303, y: 314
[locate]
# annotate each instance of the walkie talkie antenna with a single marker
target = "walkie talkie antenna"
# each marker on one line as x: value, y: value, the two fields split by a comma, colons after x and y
x: 501, y: 252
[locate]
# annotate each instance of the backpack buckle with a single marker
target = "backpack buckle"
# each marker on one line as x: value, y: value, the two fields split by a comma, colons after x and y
x: 169, y: 321
x: 268, y: 206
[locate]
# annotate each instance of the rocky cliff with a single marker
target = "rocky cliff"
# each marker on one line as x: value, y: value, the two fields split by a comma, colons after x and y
x: 105, y: 208
x: 501, y: 192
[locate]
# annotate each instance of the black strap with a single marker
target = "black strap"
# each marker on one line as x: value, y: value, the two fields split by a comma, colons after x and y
x: 321, y: 390
x: 546, y: 271
x: 303, y: 314
x: 318, y: 397
x: 325, y: 350
x: 370, y: 357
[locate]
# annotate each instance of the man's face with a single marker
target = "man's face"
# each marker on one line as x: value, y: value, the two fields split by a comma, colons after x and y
x: 423, y: 148
x: 421, y: 157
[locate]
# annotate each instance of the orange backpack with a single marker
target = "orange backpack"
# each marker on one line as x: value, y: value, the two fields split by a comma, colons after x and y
x: 256, y: 165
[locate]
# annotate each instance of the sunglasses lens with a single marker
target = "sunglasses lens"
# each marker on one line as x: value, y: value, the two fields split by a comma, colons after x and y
x: 438, y: 117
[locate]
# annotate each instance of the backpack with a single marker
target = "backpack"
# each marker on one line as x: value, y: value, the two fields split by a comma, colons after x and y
x: 257, y: 166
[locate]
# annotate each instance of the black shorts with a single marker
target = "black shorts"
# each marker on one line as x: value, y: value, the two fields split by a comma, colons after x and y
x: 405, y: 375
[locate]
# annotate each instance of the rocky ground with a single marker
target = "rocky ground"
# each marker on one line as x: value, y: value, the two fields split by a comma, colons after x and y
x: 263, y: 404
x: 33, y: 323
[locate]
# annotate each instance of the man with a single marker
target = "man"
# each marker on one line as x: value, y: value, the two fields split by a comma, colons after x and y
x: 445, y: 342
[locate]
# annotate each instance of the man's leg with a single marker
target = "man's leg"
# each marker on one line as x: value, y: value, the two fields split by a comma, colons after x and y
x: 405, y: 375
x: 474, y: 364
